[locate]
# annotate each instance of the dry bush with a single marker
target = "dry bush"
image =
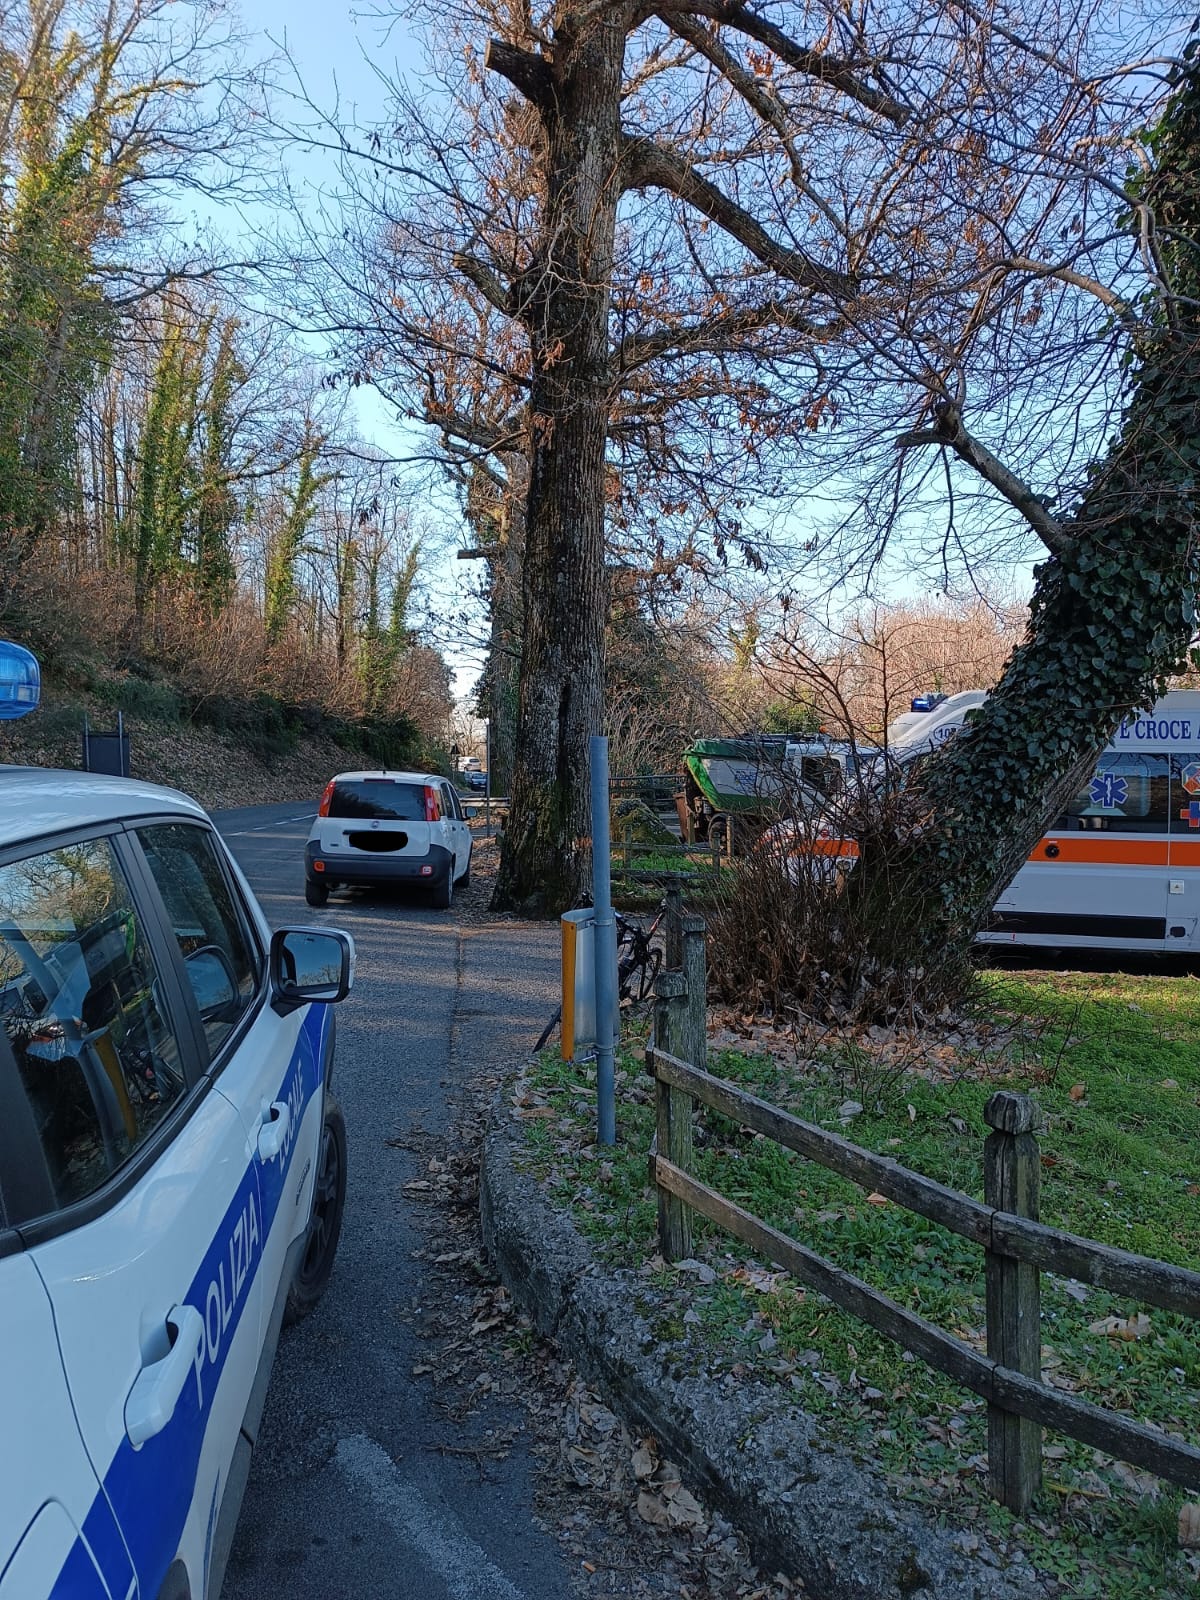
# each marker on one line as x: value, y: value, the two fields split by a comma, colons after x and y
x: 811, y: 932
x: 76, y: 624
x: 211, y: 655
x: 796, y: 934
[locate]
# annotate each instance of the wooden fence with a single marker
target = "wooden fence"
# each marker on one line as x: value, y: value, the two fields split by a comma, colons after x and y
x: 1017, y: 1247
x: 686, y: 859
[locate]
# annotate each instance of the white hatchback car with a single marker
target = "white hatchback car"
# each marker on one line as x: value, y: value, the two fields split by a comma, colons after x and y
x: 172, y: 1177
x: 388, y: 828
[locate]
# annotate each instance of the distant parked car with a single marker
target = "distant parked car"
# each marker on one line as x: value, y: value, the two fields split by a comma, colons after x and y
x: 472, y: 764
x: 388, y: 828
x: 476, y: 779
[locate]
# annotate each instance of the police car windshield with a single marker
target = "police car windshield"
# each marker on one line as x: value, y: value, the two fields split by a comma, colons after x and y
x: 381, y: 799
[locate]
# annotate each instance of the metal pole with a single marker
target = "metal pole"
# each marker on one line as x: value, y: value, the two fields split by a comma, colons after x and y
x: 487, y: 777
x: 604, y: 944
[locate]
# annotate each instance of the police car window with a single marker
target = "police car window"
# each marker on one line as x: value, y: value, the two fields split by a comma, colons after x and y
x: 218, y: 957
x: 1126, y: 794
x: 81, y: 1012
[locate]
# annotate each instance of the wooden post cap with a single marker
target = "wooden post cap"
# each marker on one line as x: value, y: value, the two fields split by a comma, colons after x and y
x: 1009, y: 1112
x: 691, y: 924
x: 670, y: 985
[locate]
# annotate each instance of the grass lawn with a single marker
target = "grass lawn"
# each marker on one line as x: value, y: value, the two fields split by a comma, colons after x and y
x: 1114, y: 1063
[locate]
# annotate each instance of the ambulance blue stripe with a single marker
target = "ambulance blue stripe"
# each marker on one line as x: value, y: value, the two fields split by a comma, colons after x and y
x: 150, y: 1490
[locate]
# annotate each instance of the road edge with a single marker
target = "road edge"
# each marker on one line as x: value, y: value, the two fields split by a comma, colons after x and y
x: 807, y: 1509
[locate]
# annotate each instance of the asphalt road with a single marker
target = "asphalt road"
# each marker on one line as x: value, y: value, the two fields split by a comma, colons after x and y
x: 351, y: 1491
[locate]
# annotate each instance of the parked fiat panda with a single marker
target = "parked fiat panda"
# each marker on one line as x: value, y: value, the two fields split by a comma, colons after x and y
x: 374, y: 828
x: 172, y: 1177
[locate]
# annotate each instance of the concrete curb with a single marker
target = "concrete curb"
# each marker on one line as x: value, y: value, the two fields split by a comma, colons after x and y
x: 807, y: 1509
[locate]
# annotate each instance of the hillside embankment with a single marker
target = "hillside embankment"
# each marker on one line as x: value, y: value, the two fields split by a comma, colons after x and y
x: 220, y: 768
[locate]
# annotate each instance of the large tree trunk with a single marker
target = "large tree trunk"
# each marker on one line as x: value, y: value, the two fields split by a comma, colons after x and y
x: 504, y: 645
x: 565, y: 305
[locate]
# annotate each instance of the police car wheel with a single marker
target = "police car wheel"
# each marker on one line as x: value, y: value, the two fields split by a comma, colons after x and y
x: 325, y: 1224
x: 316, y: 893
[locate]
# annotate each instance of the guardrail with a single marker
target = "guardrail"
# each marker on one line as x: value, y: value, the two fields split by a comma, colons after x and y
x: 655, y: 787
x: 1017, y: 1249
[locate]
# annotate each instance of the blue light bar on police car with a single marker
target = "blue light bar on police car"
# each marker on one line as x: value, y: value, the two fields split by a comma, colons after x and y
x: 20, y: 681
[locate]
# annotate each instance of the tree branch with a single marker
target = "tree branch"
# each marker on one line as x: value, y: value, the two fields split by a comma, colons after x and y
x: 648, y: 165
x: 829, y: 69
x: 713, y: 333
x: 1065, y: 273
x: 948, y: 431
x: 760, y: 98
x: 528, y: 74
x: 486, y: 281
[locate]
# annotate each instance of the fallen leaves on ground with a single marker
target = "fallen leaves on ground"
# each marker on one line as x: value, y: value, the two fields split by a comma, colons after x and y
x: 1130, y: 1328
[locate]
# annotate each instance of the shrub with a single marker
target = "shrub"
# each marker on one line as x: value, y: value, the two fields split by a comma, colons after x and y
x: 790, y: 933
x: 152, y: 700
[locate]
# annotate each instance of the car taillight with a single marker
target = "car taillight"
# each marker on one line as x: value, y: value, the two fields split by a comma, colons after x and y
x: 326, y: 800
x: 433, y: 812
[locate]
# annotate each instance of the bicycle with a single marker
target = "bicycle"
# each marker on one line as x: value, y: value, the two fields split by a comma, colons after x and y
x: 639, y: 961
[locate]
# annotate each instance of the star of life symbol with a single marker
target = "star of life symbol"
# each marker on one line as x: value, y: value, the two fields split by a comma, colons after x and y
x: 1190, y: 777
x: 1191, y: 814
x: 1108, y: 791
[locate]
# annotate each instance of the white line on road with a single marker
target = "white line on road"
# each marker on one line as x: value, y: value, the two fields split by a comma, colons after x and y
x: 280, y: 822
x: 437, y: 1534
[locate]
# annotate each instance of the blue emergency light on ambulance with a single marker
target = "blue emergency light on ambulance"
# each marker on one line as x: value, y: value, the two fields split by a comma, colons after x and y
x: 20, y: 681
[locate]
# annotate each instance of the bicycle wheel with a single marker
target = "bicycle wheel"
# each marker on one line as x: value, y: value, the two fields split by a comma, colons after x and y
x: 648, y: 971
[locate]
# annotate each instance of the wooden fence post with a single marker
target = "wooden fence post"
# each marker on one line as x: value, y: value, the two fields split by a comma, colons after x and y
x: 673, y: 938
x: 673, y: 1114
x: 1012, y: 1182
x: 694, y: 1044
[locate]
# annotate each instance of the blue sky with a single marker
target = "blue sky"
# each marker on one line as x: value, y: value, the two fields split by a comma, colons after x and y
x: 339, y: 52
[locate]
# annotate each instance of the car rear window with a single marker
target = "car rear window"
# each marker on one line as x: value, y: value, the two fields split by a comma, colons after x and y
x: 383, y: 798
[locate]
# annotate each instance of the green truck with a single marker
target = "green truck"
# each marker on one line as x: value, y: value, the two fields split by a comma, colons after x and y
x: 735, y: 788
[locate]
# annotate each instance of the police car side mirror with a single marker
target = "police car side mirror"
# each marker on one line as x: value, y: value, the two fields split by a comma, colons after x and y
x: 310, y: 964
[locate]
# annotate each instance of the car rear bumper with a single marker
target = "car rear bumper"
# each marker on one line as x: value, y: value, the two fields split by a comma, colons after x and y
x: 357, y: 867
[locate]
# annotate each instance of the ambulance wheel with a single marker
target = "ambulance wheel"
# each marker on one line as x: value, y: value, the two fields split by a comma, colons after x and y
x: 325, y: 1221
x: 315, y: 893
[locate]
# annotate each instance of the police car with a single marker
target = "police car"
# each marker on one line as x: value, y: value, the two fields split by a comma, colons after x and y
x: 172, y: 1176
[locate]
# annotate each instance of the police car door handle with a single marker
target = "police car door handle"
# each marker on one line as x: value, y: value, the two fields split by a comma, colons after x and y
x: 273, y: 1132
x: 157, y: 1387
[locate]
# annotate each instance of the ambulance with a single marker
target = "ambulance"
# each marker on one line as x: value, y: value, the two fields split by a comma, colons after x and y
x: 1120, y: 868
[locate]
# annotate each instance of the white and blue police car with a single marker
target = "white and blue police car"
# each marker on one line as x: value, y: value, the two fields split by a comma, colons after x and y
x: 172, y: 1177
